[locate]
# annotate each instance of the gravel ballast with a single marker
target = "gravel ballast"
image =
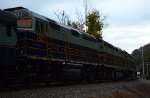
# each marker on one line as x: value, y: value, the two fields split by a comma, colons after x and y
x: 98, y: 90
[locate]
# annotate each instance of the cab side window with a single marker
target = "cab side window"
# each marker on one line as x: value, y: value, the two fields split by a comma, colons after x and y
x: 41, y: 26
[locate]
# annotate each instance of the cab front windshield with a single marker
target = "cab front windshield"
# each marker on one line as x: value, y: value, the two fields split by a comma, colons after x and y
x: 24, y: 23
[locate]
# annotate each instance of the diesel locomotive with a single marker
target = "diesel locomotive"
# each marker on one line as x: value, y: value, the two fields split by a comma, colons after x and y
x: 35, y: 49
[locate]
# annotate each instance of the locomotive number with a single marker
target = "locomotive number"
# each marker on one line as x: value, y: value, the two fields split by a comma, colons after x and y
x: 41, y: 38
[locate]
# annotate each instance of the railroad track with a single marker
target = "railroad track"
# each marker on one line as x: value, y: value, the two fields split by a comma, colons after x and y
x: 69, y: 90
x: 52, y: 84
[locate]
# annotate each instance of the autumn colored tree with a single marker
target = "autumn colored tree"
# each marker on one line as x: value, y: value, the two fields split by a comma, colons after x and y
x: 94, y: 24
x: 91, y: 21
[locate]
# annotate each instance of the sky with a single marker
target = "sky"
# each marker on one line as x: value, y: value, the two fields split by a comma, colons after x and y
x: 129, y: 20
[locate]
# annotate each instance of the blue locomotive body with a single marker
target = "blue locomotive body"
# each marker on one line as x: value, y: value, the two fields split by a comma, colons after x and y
x: 44, y: 50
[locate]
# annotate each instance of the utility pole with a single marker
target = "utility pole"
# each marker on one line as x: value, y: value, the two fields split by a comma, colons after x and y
x: 147, y: 69
x: 86, y: 11
x: 143, y: 62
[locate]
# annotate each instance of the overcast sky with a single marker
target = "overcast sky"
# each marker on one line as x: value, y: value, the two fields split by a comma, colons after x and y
x: 129, y: 20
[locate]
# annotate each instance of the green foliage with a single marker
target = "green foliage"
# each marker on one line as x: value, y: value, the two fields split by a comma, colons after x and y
x: 94, y: 24
x: 91, y: 23
x: 147, y: 55
x: 137, y: 54
x: 76, y: 25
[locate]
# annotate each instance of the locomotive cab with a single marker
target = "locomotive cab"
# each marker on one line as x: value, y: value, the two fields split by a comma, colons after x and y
x: 8, y: 38
x: 8, y: 50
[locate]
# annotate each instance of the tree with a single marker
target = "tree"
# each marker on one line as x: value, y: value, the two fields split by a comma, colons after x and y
x: 91, y: 21
x: 77, y: 25
x: 62, y: 17
x: 94, y: 23
x: 94, y: 28
x: 87, y: 9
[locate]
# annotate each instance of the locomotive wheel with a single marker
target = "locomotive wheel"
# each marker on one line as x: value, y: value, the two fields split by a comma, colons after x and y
x: 113, y: 75
x: 88, y: 74
x: 91, y: 76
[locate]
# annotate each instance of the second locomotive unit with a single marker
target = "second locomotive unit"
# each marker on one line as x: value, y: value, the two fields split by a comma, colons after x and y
x: 50, y: 51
